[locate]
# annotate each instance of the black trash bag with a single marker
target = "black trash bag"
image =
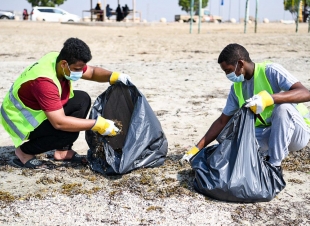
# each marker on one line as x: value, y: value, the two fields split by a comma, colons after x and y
x: 233, y: 170
x: 141, y: 143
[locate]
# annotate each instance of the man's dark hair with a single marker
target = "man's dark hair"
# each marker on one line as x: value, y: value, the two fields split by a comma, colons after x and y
x: 74, y: 50
x: 232, y: 53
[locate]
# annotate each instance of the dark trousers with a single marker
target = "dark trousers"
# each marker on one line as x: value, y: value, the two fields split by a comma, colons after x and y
x: 45, y: 137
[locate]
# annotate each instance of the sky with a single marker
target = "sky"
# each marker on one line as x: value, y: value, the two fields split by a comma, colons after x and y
x: 154, y: 10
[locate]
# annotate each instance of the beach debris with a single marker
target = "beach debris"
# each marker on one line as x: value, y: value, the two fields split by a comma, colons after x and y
x: 6, y: 197
x: 119, y: 125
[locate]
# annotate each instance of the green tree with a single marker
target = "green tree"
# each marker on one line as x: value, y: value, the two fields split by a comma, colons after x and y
x: 293, y: 6
x: 50, y: 3
x: 186, y: 5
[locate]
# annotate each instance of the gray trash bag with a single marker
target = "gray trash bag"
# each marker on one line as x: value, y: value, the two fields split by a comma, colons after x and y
x: 141, y: 143
x: 233, y: 170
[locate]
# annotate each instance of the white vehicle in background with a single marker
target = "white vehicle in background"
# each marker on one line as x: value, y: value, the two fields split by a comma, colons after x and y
x: 52, y: 14
x: 6, y: 15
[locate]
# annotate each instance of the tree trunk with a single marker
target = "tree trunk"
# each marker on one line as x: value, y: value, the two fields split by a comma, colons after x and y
x: 298, y: 13
x: 309, y: 23
x: 246, y: 15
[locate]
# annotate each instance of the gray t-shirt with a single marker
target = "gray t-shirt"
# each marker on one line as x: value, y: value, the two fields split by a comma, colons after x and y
x: 279, y: 78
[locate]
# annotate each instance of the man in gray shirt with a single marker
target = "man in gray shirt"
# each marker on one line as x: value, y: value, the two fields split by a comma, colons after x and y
x: 269, y: 90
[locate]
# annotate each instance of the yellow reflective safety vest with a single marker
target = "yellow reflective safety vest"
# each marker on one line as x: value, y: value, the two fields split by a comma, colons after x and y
x: 260, y: 83
x: 17, y: 119
x: 303, y: 110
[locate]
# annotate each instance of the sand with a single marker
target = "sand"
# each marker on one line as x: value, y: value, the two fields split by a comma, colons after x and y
x: 179, y: 75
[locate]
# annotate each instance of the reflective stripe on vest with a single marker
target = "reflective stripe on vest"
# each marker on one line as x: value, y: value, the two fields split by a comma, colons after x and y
x: 12, y: 125
x: 260, y: 83
x: 33, y: 122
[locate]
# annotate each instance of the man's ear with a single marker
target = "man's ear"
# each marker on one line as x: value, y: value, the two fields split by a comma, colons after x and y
x: 63, y: 63
x: 241, y: 63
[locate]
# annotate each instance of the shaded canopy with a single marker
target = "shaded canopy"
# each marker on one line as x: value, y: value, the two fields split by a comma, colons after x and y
x: 104, y: 7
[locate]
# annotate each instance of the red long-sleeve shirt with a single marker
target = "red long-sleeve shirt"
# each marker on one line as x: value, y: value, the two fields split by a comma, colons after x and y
x: 42, y: 94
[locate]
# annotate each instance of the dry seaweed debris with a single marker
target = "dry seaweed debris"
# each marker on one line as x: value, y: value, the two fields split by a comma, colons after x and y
x: 263, y: 216
x: 6, y: 197
x: 98, y: 152
x: 153, y: 183
x: 296, y: 181
x: 155, y: 208
x: 118, y: 124
x: 298, y: 161
x: 49, y: 180
x: 98, y: 142
x: 76, y: 188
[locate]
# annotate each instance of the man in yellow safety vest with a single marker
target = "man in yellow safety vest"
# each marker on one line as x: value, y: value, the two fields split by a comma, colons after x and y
x: 270, y: 91
x: 42, y: 112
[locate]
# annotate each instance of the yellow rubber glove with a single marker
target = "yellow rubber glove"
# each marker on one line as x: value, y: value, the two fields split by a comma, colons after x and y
x: 105, y: 127
x: 259, y: 102
x: 117, y: 76
x: 188, y: 155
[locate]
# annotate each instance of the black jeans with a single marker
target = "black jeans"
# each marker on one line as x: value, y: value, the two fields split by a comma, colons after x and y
x: 45, y: 137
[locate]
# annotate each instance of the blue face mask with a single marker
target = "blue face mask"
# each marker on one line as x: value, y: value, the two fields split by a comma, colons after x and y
x: 233, y: 77
x: 74, y: 75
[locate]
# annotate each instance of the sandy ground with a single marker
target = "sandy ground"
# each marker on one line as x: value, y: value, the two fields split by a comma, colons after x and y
x: 179, y: 75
